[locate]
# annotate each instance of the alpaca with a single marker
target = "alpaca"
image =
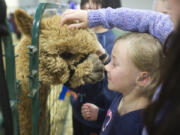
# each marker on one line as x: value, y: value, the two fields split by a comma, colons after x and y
x: 65, y: 57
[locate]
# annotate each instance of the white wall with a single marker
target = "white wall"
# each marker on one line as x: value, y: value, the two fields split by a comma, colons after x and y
x: 139, y: 4
x: 11, y: 5
x: 25, y: 4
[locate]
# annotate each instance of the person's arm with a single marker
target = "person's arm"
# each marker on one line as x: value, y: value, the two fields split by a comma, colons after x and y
x: 155, y: 23
x: 101, y: 115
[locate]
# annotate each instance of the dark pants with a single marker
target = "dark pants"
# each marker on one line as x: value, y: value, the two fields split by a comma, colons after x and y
x: 81, y: 129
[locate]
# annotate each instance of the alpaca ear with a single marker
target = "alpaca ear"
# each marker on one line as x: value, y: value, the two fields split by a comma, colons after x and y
x: 23, y: 21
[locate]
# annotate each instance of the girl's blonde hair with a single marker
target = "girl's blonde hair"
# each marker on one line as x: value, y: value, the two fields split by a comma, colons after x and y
x: 145, y: 51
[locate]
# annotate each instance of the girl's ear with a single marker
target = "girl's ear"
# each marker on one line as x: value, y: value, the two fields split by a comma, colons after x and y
x: 24, y: 22
x: 143, y: 79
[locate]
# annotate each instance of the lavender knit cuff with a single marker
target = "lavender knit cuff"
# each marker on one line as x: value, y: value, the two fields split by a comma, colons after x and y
x: 94, y: 18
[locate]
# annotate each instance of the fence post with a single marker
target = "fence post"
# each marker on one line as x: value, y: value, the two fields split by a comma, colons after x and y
x: 34, y: 62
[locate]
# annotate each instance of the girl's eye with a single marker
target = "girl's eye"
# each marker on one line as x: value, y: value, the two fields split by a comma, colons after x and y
x: 114, y: 64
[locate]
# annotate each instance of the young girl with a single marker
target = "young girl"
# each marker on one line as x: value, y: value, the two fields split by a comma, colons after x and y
x: 134, y: 72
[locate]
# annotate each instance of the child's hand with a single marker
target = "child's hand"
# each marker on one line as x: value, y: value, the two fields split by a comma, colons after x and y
x: 89, y: 111
x: 80, y: 17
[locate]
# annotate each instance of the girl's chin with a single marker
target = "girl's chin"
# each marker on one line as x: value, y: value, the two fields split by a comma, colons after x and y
x: 110, y: 87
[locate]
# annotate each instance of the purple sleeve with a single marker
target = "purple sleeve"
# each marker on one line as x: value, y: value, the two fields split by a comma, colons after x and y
x: 155, y: 23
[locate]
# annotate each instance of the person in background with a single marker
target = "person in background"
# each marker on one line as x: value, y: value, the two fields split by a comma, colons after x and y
x: 161, y: 6
x: 14, y: 26
x: 98, y: 93
x: 3, y: 26
x: 5, y: 107
x: 104, y: 35
x: 134, y: 71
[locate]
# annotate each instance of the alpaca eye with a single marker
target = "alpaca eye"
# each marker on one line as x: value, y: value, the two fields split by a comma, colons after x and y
x: 66, y: 55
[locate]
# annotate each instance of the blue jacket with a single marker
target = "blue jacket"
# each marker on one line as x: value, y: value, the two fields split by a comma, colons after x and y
x: 98, y: 93
x: 127, y: 124
x: 107, y: 40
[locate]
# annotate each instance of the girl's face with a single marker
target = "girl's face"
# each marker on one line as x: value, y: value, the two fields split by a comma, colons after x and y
x: 122, y: 73
x: 174, y: 6
x: 91, y: 5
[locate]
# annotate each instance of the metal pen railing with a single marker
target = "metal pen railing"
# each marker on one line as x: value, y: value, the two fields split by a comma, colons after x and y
x: 34, y: 62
